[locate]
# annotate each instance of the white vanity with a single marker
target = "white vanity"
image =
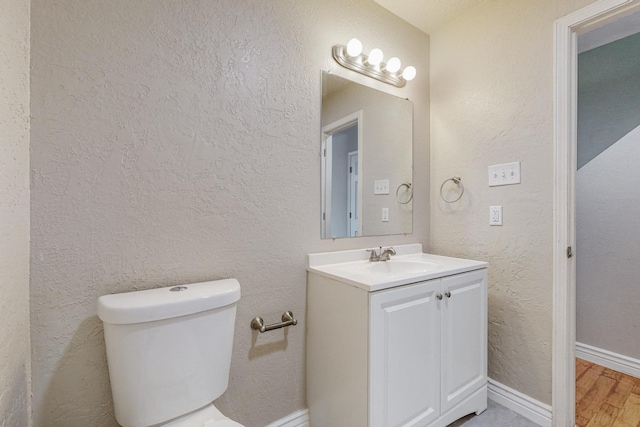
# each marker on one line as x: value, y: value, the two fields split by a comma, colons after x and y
x: 395, y: 343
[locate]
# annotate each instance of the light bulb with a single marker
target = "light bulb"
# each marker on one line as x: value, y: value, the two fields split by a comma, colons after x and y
x: 393, y: 65
x: 375, y: 56
x: 409, y: 73
x: 354, y: 48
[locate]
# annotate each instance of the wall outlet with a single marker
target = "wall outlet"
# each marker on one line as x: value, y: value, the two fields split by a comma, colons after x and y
x: 381, y: 186
x: 385, y: 214
x: 495, y: 215
x: 505, y: 174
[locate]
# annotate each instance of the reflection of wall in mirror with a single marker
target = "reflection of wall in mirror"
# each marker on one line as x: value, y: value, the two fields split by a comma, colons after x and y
x: 387, y: 152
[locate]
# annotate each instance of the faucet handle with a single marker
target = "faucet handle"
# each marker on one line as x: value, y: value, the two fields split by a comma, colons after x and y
x: 386, y: 254
x: 375, y: 257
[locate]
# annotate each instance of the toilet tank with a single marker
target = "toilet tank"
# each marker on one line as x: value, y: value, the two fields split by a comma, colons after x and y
x: 168, y: 349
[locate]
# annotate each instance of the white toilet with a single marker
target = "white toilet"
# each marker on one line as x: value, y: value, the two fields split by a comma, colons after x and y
x: 169, y: 353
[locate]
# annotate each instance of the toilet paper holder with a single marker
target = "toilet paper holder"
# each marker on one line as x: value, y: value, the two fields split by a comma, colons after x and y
x: 287, y: 320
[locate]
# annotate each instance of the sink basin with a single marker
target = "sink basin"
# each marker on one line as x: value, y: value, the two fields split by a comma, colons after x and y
x: 409, y: 265
x: 393, y: 268
x: 385, y: 271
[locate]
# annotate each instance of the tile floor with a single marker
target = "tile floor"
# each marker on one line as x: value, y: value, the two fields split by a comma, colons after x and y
x: 495, y: 416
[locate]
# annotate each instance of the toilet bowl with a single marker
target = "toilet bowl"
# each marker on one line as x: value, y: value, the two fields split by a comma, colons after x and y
x: 169, y: 353
x: 209, y: 416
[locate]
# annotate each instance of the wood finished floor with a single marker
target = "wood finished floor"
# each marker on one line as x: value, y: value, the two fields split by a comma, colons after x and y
x: 605, y: 397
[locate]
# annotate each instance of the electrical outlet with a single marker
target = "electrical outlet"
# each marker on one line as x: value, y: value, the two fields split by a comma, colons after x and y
x: 495, y: 215
x: 505, y: 174
x: 381, y: 186
x: 385, y: 214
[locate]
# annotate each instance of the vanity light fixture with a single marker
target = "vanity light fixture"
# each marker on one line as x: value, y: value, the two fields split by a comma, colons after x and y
x: 354, y: 48
x: 409, y: 73
x: 393, y: 65
x: 372, y: 65
x: 375, y: 57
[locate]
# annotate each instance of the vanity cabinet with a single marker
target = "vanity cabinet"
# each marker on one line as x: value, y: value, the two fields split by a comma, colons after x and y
x: 411, y: 355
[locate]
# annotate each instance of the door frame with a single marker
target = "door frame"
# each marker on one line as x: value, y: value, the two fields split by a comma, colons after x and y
x: 564, y: 208
x: 350, y: 196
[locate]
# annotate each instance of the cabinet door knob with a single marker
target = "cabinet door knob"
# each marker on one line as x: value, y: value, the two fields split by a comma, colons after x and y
x: 447, y: 294
x: 439, y: 296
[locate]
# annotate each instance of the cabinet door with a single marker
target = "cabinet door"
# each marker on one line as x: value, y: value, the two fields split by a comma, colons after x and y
x: 404, y: 369
x: 464, y: 336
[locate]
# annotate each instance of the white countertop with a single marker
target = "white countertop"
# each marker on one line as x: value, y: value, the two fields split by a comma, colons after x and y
x: 409, y: 265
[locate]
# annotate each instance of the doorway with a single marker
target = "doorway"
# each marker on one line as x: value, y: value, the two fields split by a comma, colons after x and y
x: 608, y: 225
x: 341, y: 186
x: 565, y: 143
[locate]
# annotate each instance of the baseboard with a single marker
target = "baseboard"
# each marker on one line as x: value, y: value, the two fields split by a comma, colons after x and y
x: 608, y: 359
x: 297, y: 419
x: 538, y: 412
x: 522, y: 404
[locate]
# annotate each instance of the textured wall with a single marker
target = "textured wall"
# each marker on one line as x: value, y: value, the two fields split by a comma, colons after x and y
x: 14, y: 213
x: 492, y: 102
x: 608, y: 247
x: 175, y: 142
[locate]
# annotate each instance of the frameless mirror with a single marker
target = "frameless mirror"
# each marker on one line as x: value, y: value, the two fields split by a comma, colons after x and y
x: 367, y: 161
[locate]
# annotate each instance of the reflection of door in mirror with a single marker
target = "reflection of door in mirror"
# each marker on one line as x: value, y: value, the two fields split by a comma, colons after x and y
x: 341, y: 186
x: 352, y: 195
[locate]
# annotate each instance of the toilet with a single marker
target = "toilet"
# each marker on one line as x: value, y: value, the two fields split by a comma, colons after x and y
x: 169, y: 353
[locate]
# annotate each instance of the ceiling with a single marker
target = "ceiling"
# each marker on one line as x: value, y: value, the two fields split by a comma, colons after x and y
x: 427, y: 15
x: 610, y: 32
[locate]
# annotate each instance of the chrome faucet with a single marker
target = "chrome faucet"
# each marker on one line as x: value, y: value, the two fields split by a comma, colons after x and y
x: 382, y: 255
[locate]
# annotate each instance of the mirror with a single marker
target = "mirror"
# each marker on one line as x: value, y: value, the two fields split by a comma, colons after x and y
x: 367, y: 161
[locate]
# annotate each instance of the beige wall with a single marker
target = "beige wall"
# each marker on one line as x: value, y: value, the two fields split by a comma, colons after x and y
x: 175, y: 142
x: 14, y: 213
x: 492, y: 102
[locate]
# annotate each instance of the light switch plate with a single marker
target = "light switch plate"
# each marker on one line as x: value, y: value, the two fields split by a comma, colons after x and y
x: 381, y: 186
x: 495, y: 215
x: 385, y: 214
x: 505, y: 174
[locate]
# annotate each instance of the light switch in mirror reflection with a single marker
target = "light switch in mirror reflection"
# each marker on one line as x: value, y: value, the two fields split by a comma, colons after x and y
x: 366, y: 136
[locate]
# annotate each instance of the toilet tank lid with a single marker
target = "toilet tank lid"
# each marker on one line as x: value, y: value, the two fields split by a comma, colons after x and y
x: 163, y: 303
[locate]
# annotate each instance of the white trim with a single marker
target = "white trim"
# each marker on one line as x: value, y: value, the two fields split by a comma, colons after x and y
x: 325, y: 180
x: 563, y: 393
x: 528, y: 407
x: 609, y: 359
x: 350, y: 196
x: 297, y: 419
x: 565, y: 148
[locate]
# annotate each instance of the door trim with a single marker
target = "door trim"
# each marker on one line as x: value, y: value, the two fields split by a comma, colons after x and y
x: 564, y: 211
x: 351, y: 196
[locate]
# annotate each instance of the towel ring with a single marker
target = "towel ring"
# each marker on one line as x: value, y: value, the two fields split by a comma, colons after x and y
x: 409, y: 190
x: 456, y: 180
